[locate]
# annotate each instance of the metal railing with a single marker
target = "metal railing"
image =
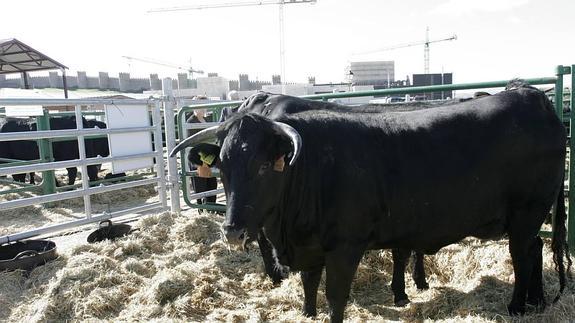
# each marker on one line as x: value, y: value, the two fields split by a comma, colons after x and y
x: 85, y: 191
x: 186, y: 173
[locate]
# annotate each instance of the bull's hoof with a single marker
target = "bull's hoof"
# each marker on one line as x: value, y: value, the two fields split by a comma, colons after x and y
x: 538, y: 303
x: 309, y: 312
x: 277, y: 281
x: 422, y: 286
x: 401, y: 302
x: 515, y: 310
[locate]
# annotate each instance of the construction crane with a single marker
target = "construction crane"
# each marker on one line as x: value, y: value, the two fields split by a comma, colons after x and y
x: 425, y: 44
x: 280, y: 4
x: 189, y: 69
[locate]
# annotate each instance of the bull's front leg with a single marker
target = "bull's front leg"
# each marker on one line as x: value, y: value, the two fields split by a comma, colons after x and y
x: 310, y: 280
x: 272, y: 269
x: 340, y: 266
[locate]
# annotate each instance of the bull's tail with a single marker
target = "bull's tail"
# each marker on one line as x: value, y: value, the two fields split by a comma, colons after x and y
x: 559, y: 241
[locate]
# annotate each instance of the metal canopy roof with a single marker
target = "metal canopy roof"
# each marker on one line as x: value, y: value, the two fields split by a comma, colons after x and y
x: 17, y: 57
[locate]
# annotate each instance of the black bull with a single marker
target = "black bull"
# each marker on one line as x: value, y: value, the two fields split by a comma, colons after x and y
x: 62, y: 150
x: 275, y: 106
x: 416, y: 180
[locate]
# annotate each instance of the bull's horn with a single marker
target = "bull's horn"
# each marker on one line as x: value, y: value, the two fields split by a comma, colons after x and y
x: 294, y: 137
x: 206, y: 135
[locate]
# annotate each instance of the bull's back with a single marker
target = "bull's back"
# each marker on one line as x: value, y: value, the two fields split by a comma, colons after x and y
x: 465, y: 174
x: 425, y: 179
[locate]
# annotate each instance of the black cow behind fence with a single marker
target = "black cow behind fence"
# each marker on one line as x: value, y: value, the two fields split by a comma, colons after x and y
x: 19, y: 149
x: 421, y: 180
x: 62, y: 150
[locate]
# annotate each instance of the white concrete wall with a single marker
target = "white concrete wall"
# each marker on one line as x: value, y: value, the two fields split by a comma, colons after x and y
x: 245, y: 94
x: 330, y: 88
x: 213, y: 86
x: 290, y: 89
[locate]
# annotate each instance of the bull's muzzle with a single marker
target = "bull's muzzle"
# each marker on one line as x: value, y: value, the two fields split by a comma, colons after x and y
x: 234, y: 236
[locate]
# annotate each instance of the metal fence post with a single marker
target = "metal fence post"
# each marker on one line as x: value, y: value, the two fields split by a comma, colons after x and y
x: 559, y: 92
x: 571, y: 195
x: 82, y: 155
x: 159, y: 147
x: 170, y: 127
x: 45, y: 150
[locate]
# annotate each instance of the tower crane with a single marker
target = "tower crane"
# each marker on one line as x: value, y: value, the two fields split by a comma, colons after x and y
x: 280, y: 4
x: 189, y: 69
x: 425, y: 44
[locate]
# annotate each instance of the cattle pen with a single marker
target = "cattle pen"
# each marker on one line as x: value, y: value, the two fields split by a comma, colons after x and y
x: 163, y: 272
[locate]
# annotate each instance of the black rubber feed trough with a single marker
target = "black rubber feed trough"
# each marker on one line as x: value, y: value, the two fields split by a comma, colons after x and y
x: 110, y: 231
x: 26, y: 254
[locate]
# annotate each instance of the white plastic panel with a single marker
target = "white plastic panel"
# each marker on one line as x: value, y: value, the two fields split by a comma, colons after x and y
x: 24, y: 111
x: 129, y: 116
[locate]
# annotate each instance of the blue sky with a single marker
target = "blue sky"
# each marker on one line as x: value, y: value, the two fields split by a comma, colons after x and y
x: 497, y: 39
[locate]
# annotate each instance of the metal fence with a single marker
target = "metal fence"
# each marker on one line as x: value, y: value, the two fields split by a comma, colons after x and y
x: 175, y: 124
x: 85, y: 191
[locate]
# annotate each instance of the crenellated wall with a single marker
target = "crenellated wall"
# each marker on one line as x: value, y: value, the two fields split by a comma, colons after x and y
x: 212, y: 85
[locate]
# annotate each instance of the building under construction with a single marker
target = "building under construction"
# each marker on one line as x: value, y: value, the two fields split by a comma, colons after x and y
x: 433, y: 79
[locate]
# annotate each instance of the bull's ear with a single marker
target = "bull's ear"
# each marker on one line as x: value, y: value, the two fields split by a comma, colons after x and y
x: 204, y: 154
x: 283, y: 147
x: 280, y: 164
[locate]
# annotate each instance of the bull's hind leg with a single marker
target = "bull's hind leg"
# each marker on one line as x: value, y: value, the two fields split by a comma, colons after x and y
x: 400, y: 257
x: 418, y: 273
x: 535, y: 295
x: 524, y: 251
x: 310, y: 280
x: 92, y: 173
x: 72, y: 173
x: 340, y: 267
x: 32, y: 179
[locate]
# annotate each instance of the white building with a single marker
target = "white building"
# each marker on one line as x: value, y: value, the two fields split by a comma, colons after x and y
x: 374, y: 72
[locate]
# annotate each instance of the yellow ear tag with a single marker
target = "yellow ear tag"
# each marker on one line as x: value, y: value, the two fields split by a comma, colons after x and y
x: 279, y: 164
x: 208, y: 159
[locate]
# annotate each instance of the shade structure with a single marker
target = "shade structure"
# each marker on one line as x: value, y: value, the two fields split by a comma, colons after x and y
x: 17, y: 57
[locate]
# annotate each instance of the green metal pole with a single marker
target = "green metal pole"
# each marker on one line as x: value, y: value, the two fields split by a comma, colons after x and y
x: 46, y: 155
x: 571, y: 194
x: 184, y: 175
x: 558, y: 101
x: 559, y: 92
x: 180, y: 119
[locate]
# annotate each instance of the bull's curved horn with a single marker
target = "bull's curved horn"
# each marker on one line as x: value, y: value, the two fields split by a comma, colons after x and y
x: 293, y: 135
x: 208, y: 134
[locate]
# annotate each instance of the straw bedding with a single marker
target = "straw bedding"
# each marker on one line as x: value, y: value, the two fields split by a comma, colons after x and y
x: 178, y: 268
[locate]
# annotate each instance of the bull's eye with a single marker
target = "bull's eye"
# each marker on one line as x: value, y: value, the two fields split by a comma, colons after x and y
x: 265, y: 166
